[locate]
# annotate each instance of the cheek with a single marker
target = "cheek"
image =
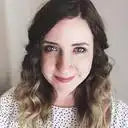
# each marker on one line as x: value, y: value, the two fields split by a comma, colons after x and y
x: 84, y: 65
x: 47, y: 64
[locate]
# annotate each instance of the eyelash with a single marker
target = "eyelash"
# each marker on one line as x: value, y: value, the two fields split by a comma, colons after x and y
x: 49, y: 48
x: 76, y: 50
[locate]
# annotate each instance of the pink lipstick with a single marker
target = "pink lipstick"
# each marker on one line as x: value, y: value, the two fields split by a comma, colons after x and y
x: 64, y: 80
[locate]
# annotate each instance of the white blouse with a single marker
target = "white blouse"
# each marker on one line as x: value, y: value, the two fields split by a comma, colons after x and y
x: 61, y: 117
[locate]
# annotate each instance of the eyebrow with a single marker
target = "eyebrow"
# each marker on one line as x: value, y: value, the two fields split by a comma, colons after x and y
x: 75, y: 44
x: 49, y: 42
x: 81, y: 43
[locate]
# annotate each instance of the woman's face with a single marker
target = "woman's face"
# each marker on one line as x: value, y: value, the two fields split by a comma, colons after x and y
x: 67, y: 54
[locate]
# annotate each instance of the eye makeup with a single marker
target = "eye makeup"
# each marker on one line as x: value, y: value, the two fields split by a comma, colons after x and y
x: 77, y: 48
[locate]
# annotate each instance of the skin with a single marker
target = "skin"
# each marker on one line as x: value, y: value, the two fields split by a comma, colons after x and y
x: 67, y: 54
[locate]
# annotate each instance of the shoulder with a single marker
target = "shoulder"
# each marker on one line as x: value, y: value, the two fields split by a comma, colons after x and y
x: 119, y: 113
x: 8, y: 108
x: 7, y: 100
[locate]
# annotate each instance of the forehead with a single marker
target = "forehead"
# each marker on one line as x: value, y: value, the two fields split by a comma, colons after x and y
x: 70, y: 31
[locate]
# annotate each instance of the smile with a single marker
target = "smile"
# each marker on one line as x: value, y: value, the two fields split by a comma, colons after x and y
x: 64, y: 80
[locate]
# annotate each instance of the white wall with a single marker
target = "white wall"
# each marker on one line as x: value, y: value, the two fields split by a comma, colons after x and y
x: 115, y: 16
x: 18, y: 18
x: 4, y: 62
x: 18, y: 15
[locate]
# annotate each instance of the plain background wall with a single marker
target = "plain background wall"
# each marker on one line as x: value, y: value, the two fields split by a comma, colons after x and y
x: 15, y: 18
x: 18, y: 18
x: 4, y: 59
x: 115, y: 17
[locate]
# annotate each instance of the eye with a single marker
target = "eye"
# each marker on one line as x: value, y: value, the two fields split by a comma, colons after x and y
x: 49, y: 48
x: 78, y: 50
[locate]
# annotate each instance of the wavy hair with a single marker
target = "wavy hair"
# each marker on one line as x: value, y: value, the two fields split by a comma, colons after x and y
x: 93, y: 96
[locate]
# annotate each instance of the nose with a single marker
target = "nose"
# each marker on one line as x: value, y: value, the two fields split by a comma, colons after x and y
x: 64, y: 63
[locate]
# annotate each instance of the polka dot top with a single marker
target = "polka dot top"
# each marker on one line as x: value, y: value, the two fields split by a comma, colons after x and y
x: 59, y: 117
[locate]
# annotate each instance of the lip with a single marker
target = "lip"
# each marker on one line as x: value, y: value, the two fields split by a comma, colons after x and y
x: 64, y: 80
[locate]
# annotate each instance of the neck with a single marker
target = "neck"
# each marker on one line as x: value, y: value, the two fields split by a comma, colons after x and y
x: 64, y: 99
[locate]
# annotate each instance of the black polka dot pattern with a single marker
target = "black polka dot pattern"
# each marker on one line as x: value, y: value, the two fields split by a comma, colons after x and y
x: 64, y: 117
x: 60, y: 117
x: 119, y: 114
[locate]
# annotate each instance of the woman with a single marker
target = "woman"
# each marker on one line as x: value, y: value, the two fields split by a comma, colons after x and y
x: 65, y: 73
